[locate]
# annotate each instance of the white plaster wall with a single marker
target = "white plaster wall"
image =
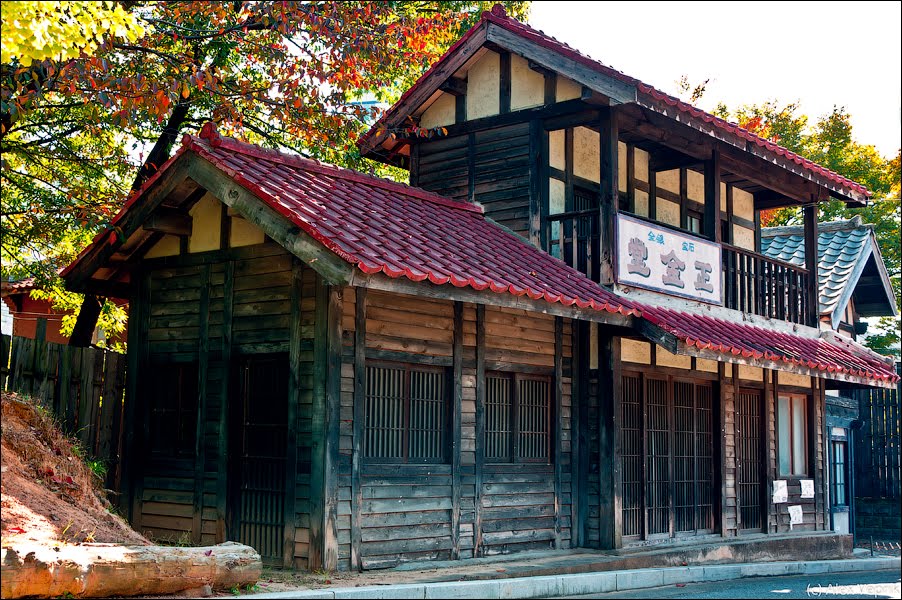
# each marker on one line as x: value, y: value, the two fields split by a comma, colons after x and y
x: 206, y: 229
x: 440, y: 113
x: 527, y: 86
x: 484, y: 87
x: 586, y: 154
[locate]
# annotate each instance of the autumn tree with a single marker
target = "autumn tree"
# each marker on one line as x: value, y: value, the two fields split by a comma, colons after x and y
x: 87, y: 115
x: 829, y: 142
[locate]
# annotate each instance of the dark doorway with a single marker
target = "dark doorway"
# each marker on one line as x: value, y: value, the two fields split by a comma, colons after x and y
x: 258, y: 455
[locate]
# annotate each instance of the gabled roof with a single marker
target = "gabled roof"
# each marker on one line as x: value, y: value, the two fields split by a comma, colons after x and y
x: 381, y: 230
x: 620, y: 87
x: 379, y: 226
x: 849, y: 266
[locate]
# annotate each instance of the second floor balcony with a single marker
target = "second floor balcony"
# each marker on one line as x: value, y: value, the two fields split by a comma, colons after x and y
x: 743, y: 280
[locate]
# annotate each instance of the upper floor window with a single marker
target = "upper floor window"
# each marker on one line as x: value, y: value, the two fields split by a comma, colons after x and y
x: 406, y: 414
x: 517, y: 418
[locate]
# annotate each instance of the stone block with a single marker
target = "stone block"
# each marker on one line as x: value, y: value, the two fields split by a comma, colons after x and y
x: 639, y: 579
x: 588, y: 583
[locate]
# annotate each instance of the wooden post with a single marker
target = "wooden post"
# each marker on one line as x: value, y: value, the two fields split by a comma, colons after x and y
x: 811, y: 264
x: 480, y: 427
x: 558, y: 425
x: 136, y: 415
x: 222, y: 450
x: 457, y: 361
x: 610, y: 495
x: 359, y: 417
x: 203, y: 355
x: 537, y: 179
x: 578, y: 407
x: 295, y: 335
x: 609, y: 192
x: 325, y: 428
x: 504, y: 102
x: 712, y: 197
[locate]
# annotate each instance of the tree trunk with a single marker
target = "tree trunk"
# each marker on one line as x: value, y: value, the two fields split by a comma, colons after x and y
x: 102, y: 570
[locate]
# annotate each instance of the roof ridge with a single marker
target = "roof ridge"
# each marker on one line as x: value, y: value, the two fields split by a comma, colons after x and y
x: 210, y: 135
x: 829, y: 226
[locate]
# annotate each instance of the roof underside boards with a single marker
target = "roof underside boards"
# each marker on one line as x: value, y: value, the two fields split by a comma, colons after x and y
x: 385, y: 231
x: 711, y: 337
x: 547, y: 52
x: 849, y: 266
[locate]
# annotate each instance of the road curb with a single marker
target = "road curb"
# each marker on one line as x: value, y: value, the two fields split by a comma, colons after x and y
x: 589, y: 583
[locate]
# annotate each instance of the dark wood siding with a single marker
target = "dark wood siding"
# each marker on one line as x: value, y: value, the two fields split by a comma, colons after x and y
x: 409, y: 511
x: 490, y: 166
x: 242, y: 300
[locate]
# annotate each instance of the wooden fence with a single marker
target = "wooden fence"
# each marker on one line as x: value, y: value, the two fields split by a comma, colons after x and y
x: 84, y: 388
x: 877, y: 444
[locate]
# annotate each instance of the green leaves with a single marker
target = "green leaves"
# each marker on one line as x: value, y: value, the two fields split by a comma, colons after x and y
x: 61, y: 30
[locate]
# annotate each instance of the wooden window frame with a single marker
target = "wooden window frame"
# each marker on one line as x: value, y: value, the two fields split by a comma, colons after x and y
x: 795, y: 471
x: 407, y: 369
x: 835, y: 486
x: 515, y: 377
x: 178, y: 447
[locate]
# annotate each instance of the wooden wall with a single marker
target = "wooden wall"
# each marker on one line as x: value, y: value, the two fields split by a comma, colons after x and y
x: 490, y: 166
x: 392, y: 513
x: 211, y: 309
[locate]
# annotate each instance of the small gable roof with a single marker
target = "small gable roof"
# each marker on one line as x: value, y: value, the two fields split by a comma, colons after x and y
x: 497, y: 28
x: 850, y: 266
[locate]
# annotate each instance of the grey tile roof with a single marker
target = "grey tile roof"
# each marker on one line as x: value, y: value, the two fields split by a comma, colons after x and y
x: 841, y: 246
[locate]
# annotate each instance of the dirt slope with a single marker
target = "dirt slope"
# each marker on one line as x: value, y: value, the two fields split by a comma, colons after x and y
x: 49, y: 495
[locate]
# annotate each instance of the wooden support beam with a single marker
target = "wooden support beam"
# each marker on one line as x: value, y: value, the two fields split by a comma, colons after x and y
x: 203, y: 363
x: 325, y: 427
x: 712, y: 197
x: 579, y: 435
x: 609, y: 196
x: 454, y: 86
x: 457, y: 375
x: 811, y: 260
x: 295, y: 375
x: 558, y: 431
x: 359, y: 418
x: 480, y: 428
x: 86, y: 321
x: 170, y: 221
x: 225, y: 402
x: 538, y: 177
x: 505, y: 85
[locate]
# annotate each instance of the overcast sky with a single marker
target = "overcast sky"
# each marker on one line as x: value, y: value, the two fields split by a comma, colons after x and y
x: 819, y: 53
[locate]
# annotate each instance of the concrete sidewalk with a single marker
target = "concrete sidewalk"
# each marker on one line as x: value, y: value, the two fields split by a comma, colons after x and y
x: 593, y: 583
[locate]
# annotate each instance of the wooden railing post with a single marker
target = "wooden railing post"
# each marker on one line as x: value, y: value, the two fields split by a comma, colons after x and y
x: 811, y: 264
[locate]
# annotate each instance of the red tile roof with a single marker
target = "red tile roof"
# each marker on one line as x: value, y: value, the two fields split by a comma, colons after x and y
x: 653, y: 97
x: 748, y: 341
x: 380, y: 226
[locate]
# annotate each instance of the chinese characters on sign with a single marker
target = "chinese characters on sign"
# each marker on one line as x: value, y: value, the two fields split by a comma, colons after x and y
x: 667, y: 261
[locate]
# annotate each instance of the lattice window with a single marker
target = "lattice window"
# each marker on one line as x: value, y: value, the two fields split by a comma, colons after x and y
x: 517, y: 418
x: 631, y: 454
x: 173, y: 409
x: 657, y: 460
x: 406, y: 414
x: 748, y: 458
x: 838, y: 490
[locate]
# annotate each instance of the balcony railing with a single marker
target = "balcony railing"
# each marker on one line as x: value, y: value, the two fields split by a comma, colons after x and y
x: 752, y: 283
x: 759, y: 285
x: 574, y: 238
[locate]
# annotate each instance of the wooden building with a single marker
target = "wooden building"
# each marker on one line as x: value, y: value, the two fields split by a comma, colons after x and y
x: 562, y: 337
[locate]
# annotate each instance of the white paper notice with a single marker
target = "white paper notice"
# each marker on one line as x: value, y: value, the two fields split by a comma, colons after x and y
x: 780, y: 492
x: 807, y: 488
x: 795, y: 515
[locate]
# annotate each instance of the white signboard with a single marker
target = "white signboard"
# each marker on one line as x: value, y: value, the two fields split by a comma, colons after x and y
x: 781, y: 493
x: 664, y: 260
x: 795, y: 515
x: 807, y: 488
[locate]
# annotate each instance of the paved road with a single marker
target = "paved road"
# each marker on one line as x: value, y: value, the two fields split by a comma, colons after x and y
x: 867, y: 584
